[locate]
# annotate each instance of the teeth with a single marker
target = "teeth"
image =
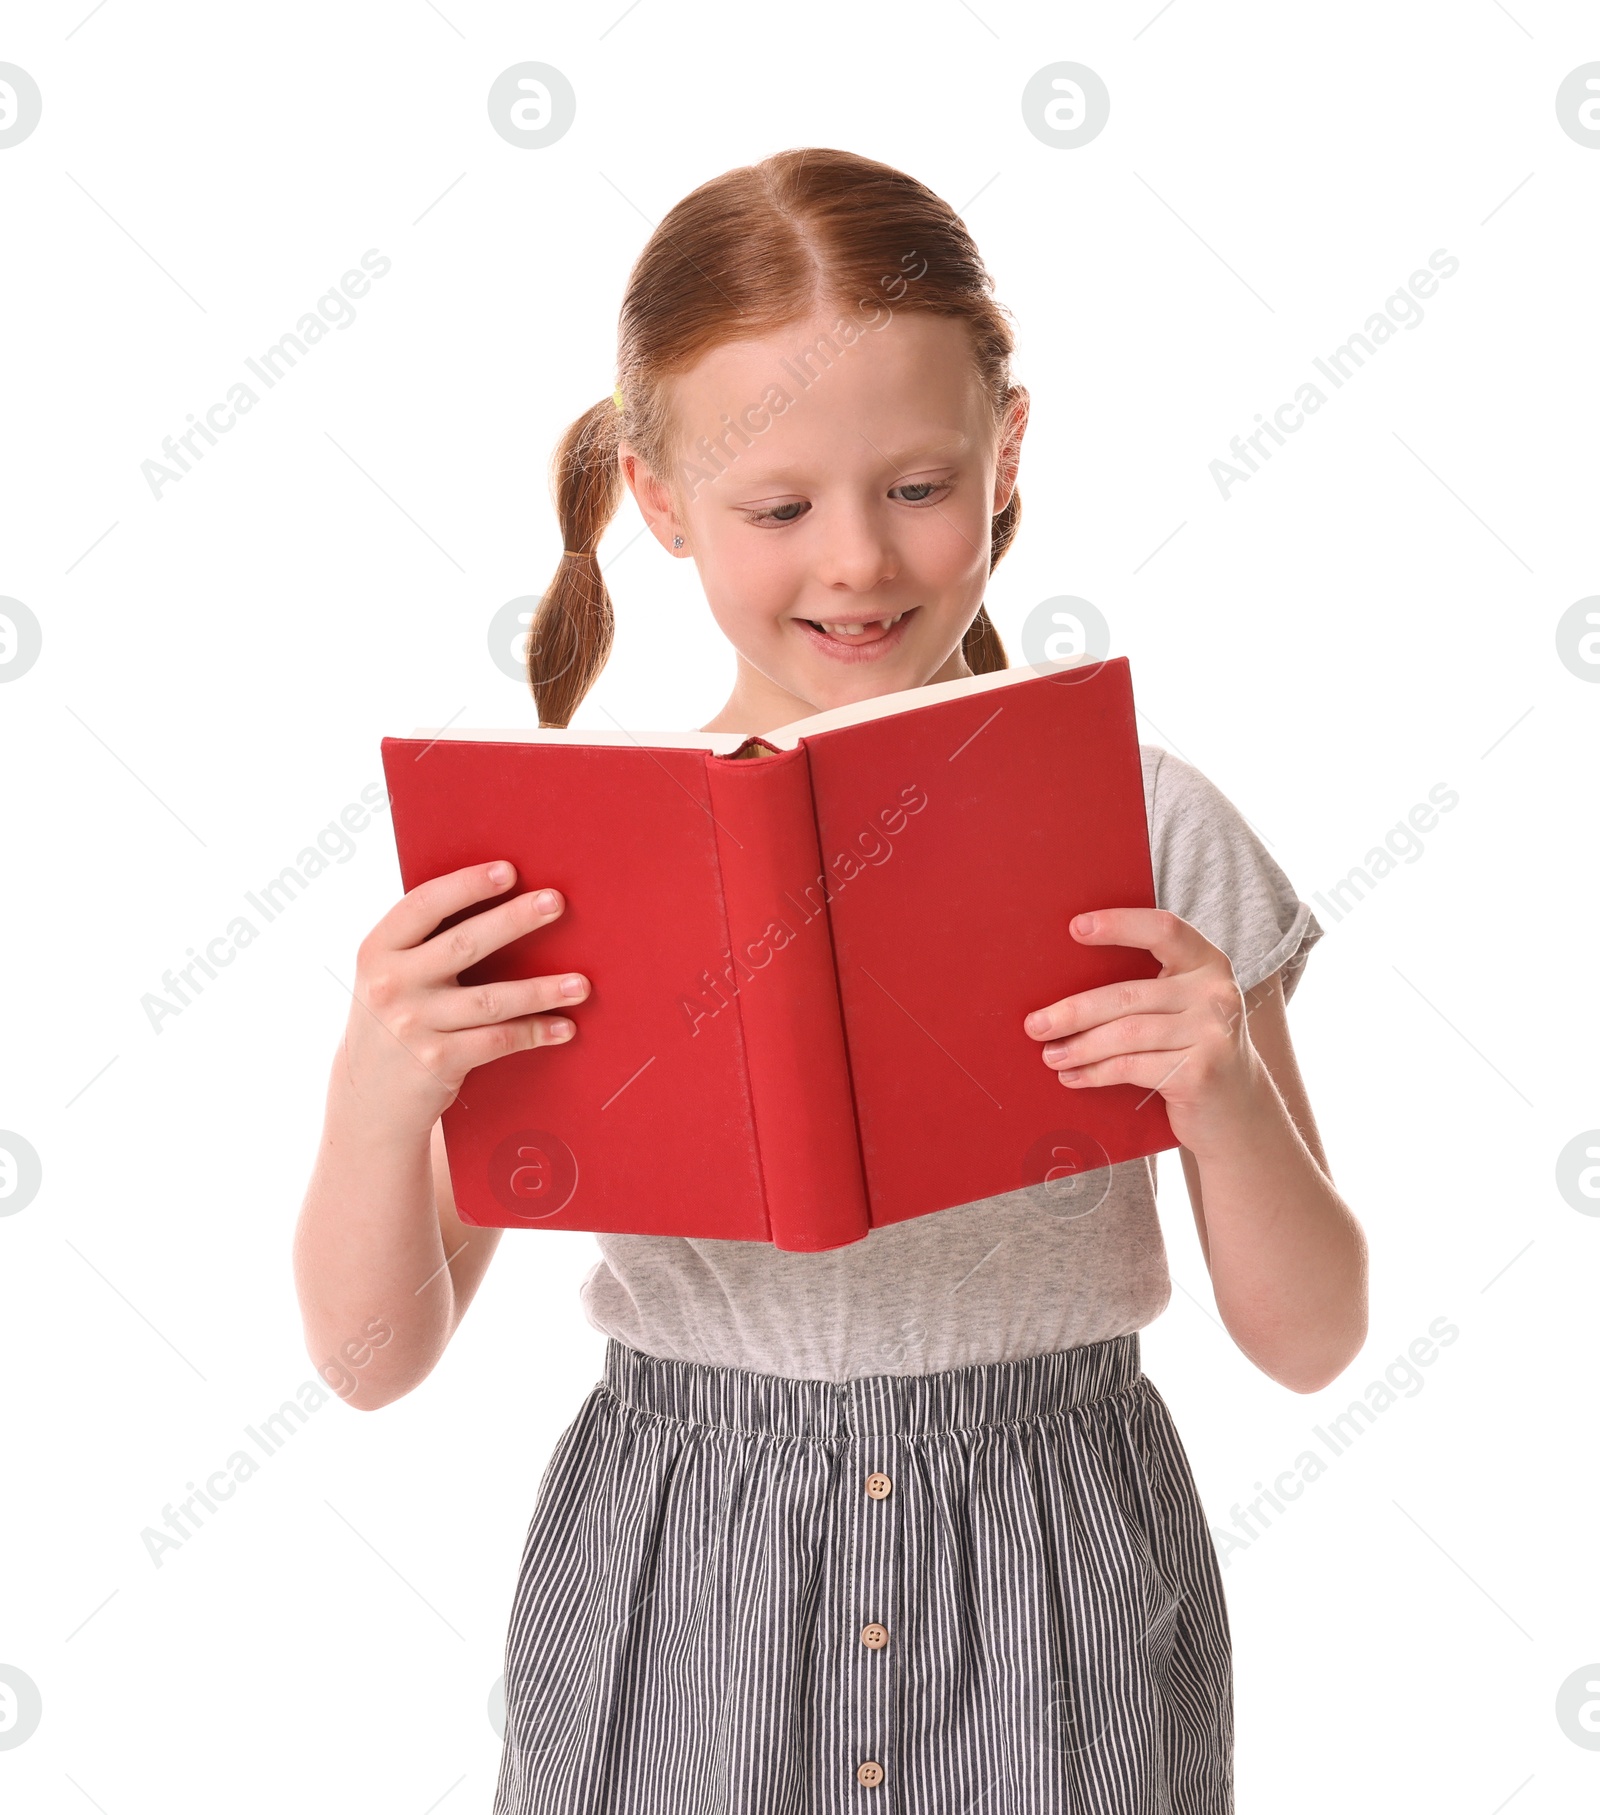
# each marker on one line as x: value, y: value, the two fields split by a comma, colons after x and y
x: 855, y: 630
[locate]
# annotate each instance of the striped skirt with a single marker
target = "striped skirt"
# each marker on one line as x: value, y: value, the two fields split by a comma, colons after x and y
x: 986, y: 1591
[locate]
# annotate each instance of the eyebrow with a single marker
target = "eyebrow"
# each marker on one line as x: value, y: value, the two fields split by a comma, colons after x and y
x: 899, y: 458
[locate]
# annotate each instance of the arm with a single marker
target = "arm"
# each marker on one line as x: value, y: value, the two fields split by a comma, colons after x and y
x: 369, y: 1257
x: 383, y: 1267
x: 467, y: 1250
x: 1287, y: 1258
x: 383, y: 1327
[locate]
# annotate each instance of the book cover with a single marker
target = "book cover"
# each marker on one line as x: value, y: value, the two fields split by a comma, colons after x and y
x: 810, y: 955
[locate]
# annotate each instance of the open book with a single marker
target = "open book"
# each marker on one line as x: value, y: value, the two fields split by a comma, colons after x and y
x: 810, y: 954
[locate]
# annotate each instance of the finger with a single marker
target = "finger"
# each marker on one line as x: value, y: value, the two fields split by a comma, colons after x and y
x: 1184, y: 952
x: 1174, y: 941
x: 482, y: 1045
x: 443, y: 957
x: 418, y: 912
x: 483, y: 1004
x: 446, y: 1055
x: 1130, y: 1034
x: 1090, y: 1007
x: 1150, y: 1071
x: 457, y: 948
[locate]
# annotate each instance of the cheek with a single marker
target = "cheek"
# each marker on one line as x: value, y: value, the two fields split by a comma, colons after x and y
x: 757, y: 580
x: 749, y: 598
x: 958, y: 560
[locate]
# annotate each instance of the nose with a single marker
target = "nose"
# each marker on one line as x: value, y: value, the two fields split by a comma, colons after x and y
x: 857, y: 558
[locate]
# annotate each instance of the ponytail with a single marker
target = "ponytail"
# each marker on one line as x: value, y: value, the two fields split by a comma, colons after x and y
x: 574, y: 627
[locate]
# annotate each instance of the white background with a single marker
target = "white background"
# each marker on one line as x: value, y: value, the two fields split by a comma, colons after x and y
x: 1371, y: 614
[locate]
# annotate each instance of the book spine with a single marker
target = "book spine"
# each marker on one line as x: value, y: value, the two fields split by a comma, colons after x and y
x: 780, y: 968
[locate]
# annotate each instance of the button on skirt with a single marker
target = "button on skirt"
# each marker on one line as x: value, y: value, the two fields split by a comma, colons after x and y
x: 990, y: 1589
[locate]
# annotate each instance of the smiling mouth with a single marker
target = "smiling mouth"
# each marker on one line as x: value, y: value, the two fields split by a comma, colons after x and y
x: 869, y: 632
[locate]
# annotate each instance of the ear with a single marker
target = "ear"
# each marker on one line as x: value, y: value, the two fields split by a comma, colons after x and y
x: 1009, y: 454
x: 653, y: 498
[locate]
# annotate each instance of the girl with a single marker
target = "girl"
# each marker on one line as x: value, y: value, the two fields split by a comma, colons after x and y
x: 902, y: 1525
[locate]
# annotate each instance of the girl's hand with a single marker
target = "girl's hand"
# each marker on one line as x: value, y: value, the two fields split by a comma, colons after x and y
x: 415, y: 1032
x: 1183, y: 1033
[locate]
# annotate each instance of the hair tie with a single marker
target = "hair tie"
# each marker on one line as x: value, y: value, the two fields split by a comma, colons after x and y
x: 581, y: 554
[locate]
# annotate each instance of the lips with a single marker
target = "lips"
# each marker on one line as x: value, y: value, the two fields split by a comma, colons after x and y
x: 863, y: 645
x: 856, y: 633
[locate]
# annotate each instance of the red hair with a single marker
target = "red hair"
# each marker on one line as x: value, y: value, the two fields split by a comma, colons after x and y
x: 755, y: 250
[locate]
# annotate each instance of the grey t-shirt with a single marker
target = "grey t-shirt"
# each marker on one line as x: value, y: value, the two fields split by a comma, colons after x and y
x: 999, y: 1279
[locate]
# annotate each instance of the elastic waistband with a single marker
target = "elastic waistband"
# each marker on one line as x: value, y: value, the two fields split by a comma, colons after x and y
x: 1000, y: 1392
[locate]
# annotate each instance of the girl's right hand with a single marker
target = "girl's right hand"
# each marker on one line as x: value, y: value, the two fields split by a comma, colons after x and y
x: 415, y: 1032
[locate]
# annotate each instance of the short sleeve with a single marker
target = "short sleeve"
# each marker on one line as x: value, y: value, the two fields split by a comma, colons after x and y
x: 1213, y: 871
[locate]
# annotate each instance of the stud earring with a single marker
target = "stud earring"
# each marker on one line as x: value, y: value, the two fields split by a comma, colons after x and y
x: 677, y: 541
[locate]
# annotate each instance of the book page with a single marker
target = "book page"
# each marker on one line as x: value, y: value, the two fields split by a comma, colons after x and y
x: 908, y: 699
x: 720, y: 743
x: 785, y: 737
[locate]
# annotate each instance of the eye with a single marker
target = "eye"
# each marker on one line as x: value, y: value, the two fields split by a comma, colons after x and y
x: 922, y: 491
x: 773, y: 516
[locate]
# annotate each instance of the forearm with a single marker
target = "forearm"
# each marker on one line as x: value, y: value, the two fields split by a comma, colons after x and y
x: 1287, y: 1257
x: 367, y: 1247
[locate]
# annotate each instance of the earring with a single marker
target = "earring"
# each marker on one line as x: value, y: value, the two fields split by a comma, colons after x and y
x: 677, y: 541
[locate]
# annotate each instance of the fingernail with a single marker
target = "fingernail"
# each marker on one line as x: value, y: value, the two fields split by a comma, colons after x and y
x: 1083, y: 924
x: 572, y: 986
x: 545, y: 901
x: 499, y: 872
x: 559, y: 1029
x: 1038, y: 1022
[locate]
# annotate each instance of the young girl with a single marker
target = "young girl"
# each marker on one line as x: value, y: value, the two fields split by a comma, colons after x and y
x: 901, y: 1525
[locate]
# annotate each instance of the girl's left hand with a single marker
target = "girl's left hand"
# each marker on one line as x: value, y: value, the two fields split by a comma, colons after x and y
x: 1184, y: 1033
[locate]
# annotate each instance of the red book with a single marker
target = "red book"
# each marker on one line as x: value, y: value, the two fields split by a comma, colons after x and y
x: 810, y: 954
